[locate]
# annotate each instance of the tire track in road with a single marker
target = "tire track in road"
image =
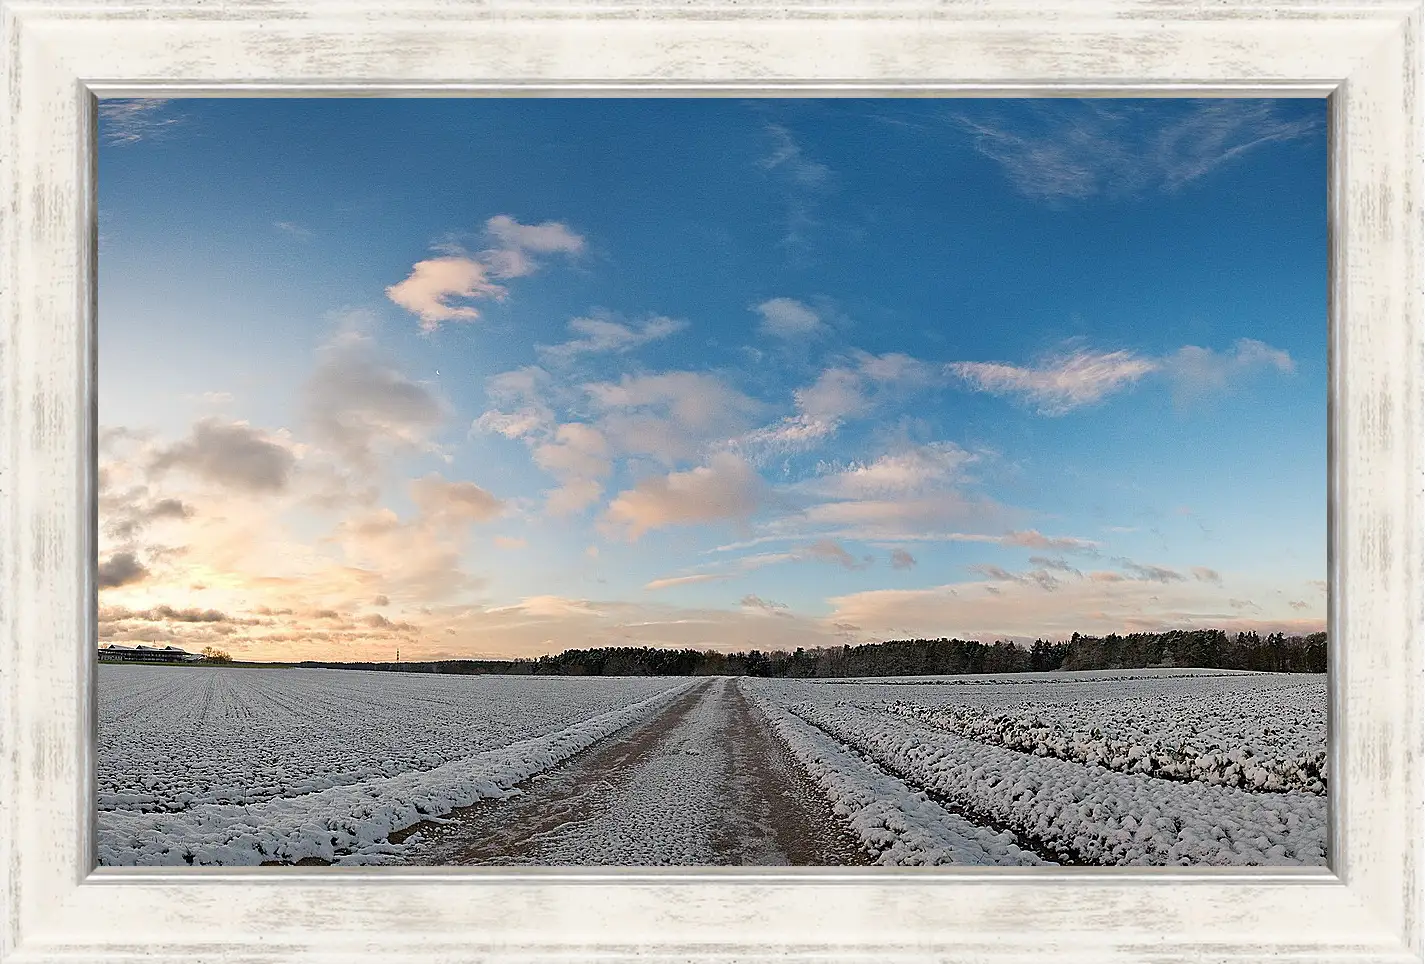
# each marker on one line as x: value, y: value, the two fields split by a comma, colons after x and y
x: 704, y: 782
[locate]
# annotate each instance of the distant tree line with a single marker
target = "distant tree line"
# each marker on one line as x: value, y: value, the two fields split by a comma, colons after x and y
x: 1202, y: 648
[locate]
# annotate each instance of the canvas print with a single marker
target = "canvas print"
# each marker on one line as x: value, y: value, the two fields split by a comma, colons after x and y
x: 869, y: 482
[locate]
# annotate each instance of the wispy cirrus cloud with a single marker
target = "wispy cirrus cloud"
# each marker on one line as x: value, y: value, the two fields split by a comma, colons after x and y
x: 605, y: 334
x: 130, y: 120
x: 1059, y: 384
x: 689, y: 580
x: 803, y: 179
x: 1061, y: 151
x: 851, y: 388
x: 293, y: 229
x: 787, y: 157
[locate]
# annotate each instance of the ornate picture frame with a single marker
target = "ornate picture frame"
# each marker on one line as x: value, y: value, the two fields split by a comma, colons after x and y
x: 60, y: 55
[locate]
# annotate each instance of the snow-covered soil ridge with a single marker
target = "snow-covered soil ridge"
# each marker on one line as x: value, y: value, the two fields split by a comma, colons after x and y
x: 1087, y: 815
x: 350, y: 824
x: 898, y: 824
x: 1027, y: 731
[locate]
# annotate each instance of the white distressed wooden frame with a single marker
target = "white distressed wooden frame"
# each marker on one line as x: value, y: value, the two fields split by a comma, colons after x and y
x: 58, y: 53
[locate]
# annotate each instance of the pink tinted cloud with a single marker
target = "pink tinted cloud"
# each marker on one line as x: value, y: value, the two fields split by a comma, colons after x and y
x: 726, y: 488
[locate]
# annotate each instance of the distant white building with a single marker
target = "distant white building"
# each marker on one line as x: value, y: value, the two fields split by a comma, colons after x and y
x: 114, y: 653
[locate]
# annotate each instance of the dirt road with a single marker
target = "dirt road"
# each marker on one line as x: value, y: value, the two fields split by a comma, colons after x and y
x: 703, y: 782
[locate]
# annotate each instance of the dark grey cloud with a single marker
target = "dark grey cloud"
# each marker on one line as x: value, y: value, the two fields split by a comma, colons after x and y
x: 751, y: 601
x: 170, y: 509
x: 828, y: 550
x: 1058, y: 565
x: 232, y: 454
x: 1151, y: 573
x: 994, y: 572
x: 121, y: 569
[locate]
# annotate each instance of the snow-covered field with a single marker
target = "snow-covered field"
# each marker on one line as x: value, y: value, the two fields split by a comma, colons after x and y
x: 229, y: 765
x: 224, y: 765
x: 1093, y: 768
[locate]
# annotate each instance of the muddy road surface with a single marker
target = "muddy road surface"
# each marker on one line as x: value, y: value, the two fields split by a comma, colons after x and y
x: 703, y: 782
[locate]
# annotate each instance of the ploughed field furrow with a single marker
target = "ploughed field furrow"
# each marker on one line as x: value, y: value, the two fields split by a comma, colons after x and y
x: 1087, y: 814
x: 898, y: 822
x: 1037, y: 731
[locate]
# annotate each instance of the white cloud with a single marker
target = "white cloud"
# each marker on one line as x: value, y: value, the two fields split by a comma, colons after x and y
x: 835, y: 395
x: 419, y: 558
x: 520, y: 408
x: 579, y: 456
x: 428, y: 290
x: 605, y: 335
x: 672, y: 416
x: 821, y: 408
x: 548, y: 238
x: 892, y: 518
x: 893, y: 367
x: 725, y: 489
x: 911, y: 470
x: 433, y: 284
x: 1058, y: 385
x: 1034, y: 539
x: 788, y: 318
x: 1198, y: 372
x: 672, y: 581
x: 454, y: 502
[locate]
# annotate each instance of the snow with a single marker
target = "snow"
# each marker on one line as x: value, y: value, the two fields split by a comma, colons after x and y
x: 225, y: 765
x: 172, y: 737
x: 900, y: 825
x: 1105, y: 769
x: 333, y: 759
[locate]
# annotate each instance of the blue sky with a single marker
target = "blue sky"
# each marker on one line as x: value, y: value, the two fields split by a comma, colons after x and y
x: 509, y: 376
